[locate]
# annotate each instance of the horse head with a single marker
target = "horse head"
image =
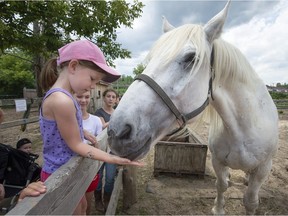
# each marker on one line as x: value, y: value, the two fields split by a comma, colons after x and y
x: 180, y: 63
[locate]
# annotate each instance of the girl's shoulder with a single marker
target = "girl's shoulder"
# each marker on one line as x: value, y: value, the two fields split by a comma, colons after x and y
x: 57, y: 103
x: 94, y: 117
x: 100, y: 110
x: 59, y: 99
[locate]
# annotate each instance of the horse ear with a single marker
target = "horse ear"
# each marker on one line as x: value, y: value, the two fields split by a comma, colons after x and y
x: 166, y: 26
x: 214, y: 27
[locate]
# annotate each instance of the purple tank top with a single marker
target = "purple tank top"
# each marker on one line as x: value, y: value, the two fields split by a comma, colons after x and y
x: 55, y: 150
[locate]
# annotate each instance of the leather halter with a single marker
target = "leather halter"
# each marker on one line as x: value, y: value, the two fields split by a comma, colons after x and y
x: 181, y: 118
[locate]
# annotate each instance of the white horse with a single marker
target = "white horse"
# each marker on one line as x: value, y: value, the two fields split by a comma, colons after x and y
x: 191, y: 66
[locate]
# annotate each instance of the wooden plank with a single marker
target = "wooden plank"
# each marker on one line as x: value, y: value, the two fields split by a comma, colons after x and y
x: 196, y: 137
x: 65, y: 187
x: 11, y: 102
x: 129, y: 187
x: 179, y: 158
x: 111, y: 209
x: 280, y: 101
x: 281, y: 104
x: 19, y: 122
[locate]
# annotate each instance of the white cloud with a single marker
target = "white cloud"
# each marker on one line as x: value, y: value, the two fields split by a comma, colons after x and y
x: 263, y: 41
x: 126, y: 66
x: 260, y: 33
x: 137, y: 37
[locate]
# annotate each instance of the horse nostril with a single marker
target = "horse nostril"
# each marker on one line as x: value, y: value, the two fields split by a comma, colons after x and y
x: 126, y: 132
x: 110, y: 133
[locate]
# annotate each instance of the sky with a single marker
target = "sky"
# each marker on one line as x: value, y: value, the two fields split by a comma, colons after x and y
x: 257, y: 27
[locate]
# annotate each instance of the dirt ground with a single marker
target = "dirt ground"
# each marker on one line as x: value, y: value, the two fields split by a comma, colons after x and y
x: 188, y: 195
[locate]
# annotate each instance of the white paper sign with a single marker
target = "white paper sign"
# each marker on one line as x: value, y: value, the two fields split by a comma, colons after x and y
x: 21, y: 105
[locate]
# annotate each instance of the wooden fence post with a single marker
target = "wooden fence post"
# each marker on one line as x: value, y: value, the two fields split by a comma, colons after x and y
x: 111, y: 209
x: 129, y: 186
x: 26, y: 115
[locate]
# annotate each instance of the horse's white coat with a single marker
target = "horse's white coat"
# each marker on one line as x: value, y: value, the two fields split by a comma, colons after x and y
x: 244, y: 120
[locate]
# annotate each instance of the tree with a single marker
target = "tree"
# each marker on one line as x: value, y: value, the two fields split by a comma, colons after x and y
x: 59, y: 20
x: 41, y: 27
x: 122, y: 84
x: 139, y: 69
x: 15, y: 73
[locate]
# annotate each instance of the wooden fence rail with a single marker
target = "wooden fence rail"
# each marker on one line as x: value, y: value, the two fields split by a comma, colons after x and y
x: 281, y: 104
x: 68, y: 184
x: 31, y: 103
x: 11, y: 102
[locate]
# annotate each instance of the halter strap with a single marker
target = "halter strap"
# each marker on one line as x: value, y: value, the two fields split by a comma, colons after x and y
x: 181, y: 118
x: 157, y: 89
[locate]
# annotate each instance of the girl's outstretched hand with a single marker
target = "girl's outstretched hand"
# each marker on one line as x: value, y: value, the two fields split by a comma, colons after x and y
x: 125, y: 161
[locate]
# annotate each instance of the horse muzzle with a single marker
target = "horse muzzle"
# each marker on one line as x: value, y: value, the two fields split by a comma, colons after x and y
x: 124, y: 146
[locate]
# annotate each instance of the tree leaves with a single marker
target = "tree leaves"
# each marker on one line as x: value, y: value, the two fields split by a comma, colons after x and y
x: 59, y: 22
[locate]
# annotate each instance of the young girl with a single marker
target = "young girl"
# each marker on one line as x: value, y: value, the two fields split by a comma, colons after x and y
x: 80, y: 65
x: 92, y: 127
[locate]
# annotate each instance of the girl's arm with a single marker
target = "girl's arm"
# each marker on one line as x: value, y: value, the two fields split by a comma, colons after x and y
x: 64, y: 113
x: 90, y: 137
x: 104, y: 124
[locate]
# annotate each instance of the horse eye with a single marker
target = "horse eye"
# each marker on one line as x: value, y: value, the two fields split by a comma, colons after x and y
x: 189, y: 58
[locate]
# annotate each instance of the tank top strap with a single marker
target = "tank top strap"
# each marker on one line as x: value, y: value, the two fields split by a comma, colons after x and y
x: 63, y: 91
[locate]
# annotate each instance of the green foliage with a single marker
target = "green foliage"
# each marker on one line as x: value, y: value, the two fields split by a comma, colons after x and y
x: 139, y: 69
x: 15, y: 73
x: 279, y: 95
x: 55, y: 22
x: 125, y: 81
x: 122, y: 84
x: 41, y: 27
x: 284, y: 85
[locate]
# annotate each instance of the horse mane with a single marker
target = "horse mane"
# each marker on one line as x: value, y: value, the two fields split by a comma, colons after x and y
x: 231, y: 66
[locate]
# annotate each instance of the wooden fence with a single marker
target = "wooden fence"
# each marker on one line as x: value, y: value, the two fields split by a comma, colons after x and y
x: 67, y: 185
x: 281, y: 104
x: 32, y: 106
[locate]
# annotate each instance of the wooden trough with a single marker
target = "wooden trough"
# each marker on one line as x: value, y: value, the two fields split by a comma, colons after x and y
x: 185, y: 156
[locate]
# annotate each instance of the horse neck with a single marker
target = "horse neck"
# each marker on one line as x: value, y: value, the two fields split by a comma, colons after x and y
x: 237, y: 89
x: 239, y: 108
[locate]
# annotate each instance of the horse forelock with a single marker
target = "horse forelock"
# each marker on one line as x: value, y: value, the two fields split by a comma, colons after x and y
x: 169, y: 45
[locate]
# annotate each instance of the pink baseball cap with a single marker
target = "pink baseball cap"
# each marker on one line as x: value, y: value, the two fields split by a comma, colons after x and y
x: 86, y: 50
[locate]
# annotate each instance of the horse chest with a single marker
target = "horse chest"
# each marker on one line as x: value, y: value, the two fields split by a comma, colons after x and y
x: 234, y: 152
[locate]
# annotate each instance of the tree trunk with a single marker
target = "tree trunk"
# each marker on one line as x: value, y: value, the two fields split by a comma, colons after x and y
x: 37, y: 61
